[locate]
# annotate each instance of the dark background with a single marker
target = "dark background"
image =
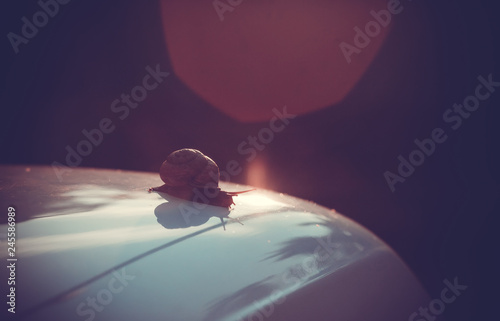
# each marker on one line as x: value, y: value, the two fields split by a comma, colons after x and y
x: 443, y: 221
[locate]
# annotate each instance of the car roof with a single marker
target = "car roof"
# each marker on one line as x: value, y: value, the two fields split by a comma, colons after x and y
x: 99, y: 234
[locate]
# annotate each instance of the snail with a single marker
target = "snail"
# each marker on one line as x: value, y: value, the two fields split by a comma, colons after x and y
x: 190, y: 175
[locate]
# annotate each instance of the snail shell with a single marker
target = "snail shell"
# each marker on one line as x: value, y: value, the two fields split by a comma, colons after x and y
x: 187, y: 173
x: 189, y: 167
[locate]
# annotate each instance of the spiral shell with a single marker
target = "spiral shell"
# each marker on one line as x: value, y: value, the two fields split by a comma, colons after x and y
x: 189, y: 167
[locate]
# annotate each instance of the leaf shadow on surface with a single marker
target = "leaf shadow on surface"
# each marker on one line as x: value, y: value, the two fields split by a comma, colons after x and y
x: 339, y: 247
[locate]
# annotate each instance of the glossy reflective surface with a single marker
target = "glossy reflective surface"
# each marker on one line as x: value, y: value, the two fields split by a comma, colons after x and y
x: 98, y: 246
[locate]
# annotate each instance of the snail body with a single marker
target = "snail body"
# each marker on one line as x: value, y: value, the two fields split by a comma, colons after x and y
x: 190, y: 175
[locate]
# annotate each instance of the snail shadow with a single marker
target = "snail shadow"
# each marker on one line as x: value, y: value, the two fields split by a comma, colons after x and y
x: 177, y: 213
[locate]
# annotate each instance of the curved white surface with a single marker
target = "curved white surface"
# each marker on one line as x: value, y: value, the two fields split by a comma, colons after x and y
x: 290, y: 260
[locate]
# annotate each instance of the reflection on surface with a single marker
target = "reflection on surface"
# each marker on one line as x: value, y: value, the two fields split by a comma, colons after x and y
x: 86, y: 240
x: 258, y: 200
x: 339, y: 243
x: 177, y: 213
x: 85, y: 198
x: 99, y: 217
x: 239, y: 300
x: 309, y: 258
x: 184, y: 214
x: 36, y: 191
